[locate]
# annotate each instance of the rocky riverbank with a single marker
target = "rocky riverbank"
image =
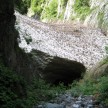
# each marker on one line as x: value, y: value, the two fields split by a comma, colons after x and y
x: 69, y: 101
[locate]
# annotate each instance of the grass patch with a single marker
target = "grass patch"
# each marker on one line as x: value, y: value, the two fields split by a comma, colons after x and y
x: 82, y: 8
x: 12, y: 89
x: 37, y: 6
x: 96, y: 87
x: 83, y: 87
x: 41, y: 91
x: 50, y: 11
x: 103, y: 90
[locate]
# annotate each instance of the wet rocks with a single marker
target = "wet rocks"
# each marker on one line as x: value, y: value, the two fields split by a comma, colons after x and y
x: 69, y: 101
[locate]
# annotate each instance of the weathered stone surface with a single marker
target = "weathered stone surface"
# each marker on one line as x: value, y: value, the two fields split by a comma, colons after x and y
x: 37, y: 63
x: 10, y: 52
x: 56, y: 69
x: 99, y: 15
x: 8, y: 34
x: 83, y: 46
x: 75, y: 42
x: 99, y: 69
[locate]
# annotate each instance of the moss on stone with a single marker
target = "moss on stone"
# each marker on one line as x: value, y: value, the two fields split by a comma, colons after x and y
x: 98, y: 70
x: 100, y: 18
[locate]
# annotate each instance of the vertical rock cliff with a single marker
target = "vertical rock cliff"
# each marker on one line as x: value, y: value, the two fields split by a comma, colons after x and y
x: 99, y: 15
x: 11, y: 54
x: 8, y: 34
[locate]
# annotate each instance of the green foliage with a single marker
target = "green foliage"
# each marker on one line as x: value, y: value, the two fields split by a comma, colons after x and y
x: 103, y: 89
x: 97, y: 87
x: 28, y: 39
x: 75, y: 89
x: 64, y: 2
x: 22, y: 5
x: 50, y: 11
x: 86, y: 87
x: 10, y: 94
x: 100, y: 18
x: 37, y: 6
x: 42, y: 91
x: 63, y: 8
x: 106, y: 48
x: 15, y: 93
x: 105, y: 60
x: 82, y: 8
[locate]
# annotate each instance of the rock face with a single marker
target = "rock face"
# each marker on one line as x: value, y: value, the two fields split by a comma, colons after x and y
x: 100, y: 69
x: 55, y: 69
x: 60, y: 55
x: 10, y: 52
x: 99, y: 15
x: 35, y: 64
x: 8, y: 34
x: 74, y: 42
x: 44, y: 46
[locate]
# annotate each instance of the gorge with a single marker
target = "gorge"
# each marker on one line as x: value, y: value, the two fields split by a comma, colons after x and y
x: 58, y: 51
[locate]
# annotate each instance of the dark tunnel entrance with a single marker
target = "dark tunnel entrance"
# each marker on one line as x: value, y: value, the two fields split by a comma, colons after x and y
x: 63, y: 70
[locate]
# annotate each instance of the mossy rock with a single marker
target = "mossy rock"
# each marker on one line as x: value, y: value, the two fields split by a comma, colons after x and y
x: 99, y: 70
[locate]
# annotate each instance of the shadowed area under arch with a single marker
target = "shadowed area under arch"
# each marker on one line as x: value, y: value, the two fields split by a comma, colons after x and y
x: 63, y: 70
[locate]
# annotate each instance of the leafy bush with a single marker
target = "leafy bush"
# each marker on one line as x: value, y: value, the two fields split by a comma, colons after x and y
x: 85, y: 87
x: 42, y: 91
x: 82, y: 8
x: 96, y: 87
x: 103, y: 89
x: 50, y: 11
x: 12, y: 91
x: 22, y: 5
x: 16, y: 93
x: 37, y: 6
